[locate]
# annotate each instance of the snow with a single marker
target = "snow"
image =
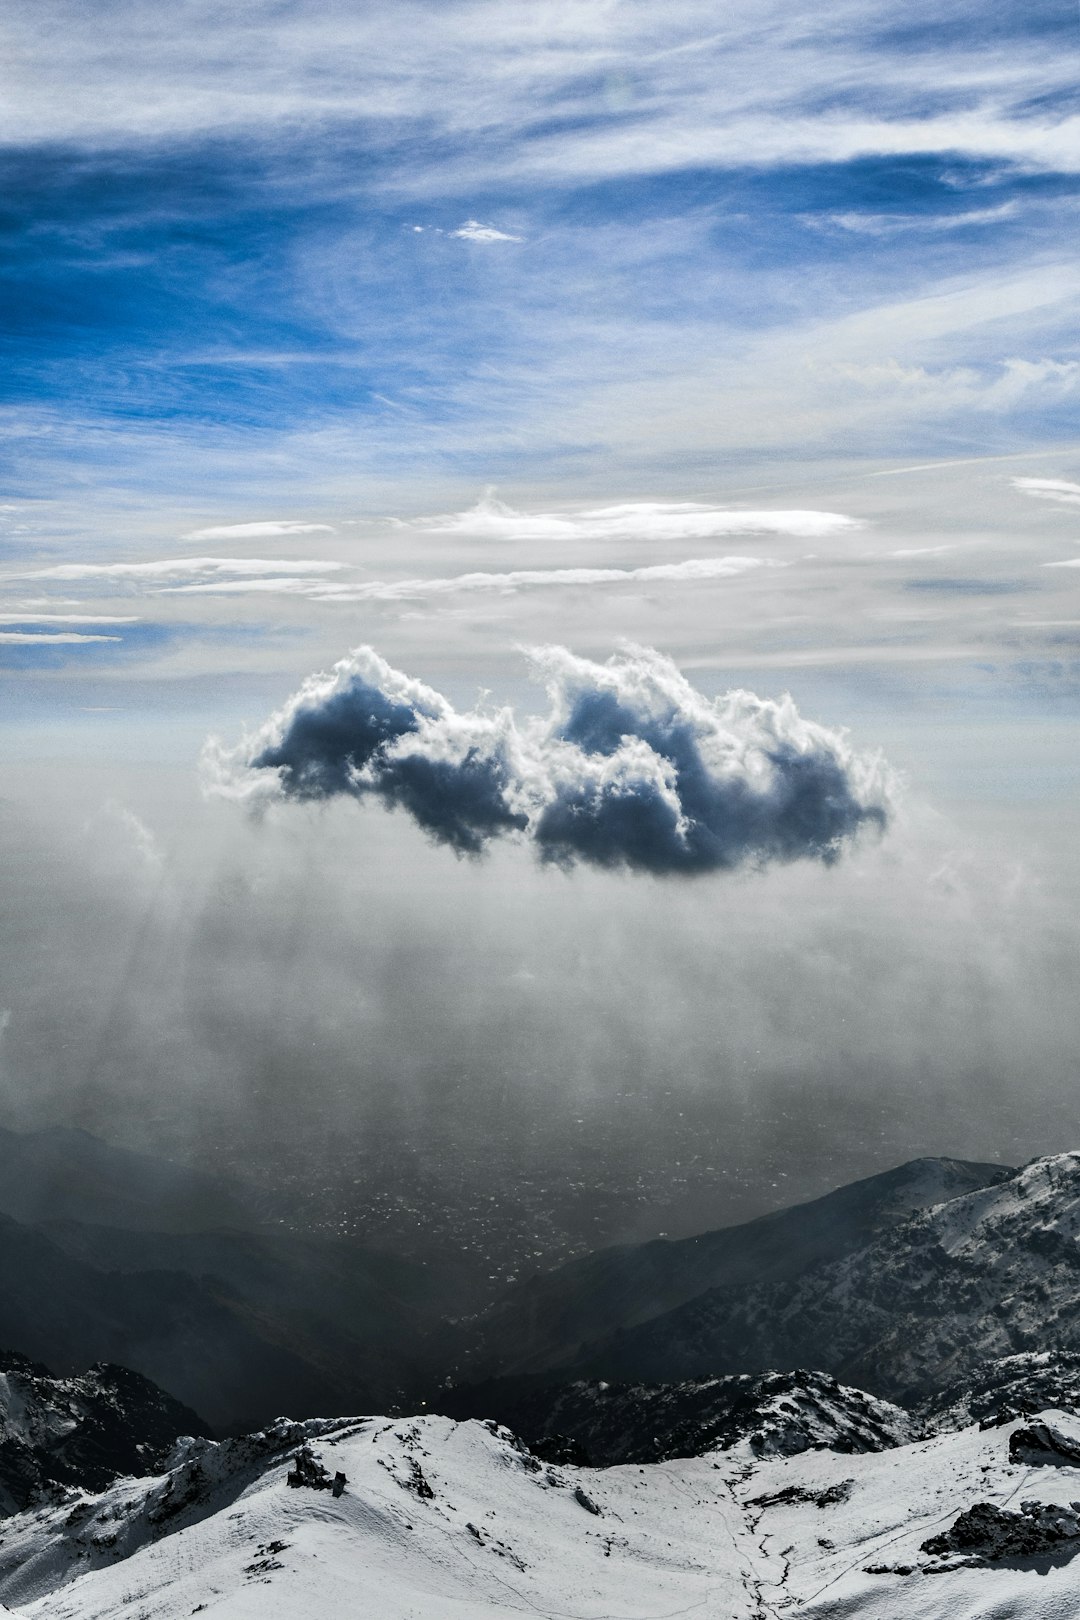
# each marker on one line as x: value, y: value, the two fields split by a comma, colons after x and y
x: 456, y: 1521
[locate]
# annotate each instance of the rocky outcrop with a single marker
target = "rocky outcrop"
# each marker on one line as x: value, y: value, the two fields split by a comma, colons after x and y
x: 59, y: 1433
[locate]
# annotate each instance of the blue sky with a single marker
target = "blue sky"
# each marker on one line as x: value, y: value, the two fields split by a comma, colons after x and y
x: 329, y: 263
x: 748, y: 334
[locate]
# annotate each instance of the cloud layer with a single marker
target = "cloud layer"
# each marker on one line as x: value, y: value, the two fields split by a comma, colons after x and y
x: 631, y: 768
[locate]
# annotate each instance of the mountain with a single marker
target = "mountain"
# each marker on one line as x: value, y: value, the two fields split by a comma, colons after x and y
x: 65, y: 1174
x: 114, y: 1256
x: 429, y: 1517
x: 1013, y: 1386
x: 180, y: 1332
x: 544, y: 1322
x: 600, y: 1424
x: 57, y: 1434
x: 924, y: 1303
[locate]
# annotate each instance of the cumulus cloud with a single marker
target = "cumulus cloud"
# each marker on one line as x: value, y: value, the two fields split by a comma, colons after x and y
x: 1050, y: 489
x: 474, y: 231
x: 631, y: 768
x: 257, y: 531
x: 180, y: 567
x: 632, y: 520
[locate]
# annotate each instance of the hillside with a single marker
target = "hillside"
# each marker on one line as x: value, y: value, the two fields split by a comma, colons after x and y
x: 988, y: 1274
x: 425, y: 1517
x: 545, y: 1322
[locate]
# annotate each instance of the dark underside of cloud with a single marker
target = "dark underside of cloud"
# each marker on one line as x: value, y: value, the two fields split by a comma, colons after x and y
x: 631, y: 768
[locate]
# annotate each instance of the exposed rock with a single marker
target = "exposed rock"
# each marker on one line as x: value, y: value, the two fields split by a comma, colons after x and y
x: 81, y: 1432
x: 1042, y: 1444
x: 308, y: 1471
x: 596, y: 1423
x: 989, y: 1533
x: 999, y: 1391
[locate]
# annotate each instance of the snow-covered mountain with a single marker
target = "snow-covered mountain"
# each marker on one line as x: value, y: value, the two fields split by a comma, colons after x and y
x: 778, y: 1413
x: 56, y: 1433
x: 428, y: 1519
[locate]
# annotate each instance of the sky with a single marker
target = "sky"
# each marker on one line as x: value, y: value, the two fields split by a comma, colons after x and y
x: 539, y: 561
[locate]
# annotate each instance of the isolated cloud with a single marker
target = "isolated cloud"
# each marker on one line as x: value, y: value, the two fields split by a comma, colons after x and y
x: 631, y: 768
x: 632, y: 520
x: 1050, y: 489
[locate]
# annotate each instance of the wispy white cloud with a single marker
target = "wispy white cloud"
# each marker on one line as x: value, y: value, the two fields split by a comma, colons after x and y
x: 68, y: 618
x: 257, y: 531
x: 890, y: 224
x: 631, y: 520
x: 23, y: 638
x: 398, y: 590
x: 178, y: 567
x: 623, y: 88
x: 474, y: 231
x: 1050, y: 489
x: 1069, y: 562
x: 120, y: 817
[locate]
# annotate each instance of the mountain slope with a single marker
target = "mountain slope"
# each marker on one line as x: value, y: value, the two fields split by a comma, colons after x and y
x: 459, y: 1522
x: 602, y: 1424
x: 237, y: 1322
x: 61, y: 1173
x: 542, y: 1323
x: 985, y: 1275
x: 57, y: 1433
x: 173, y: 1329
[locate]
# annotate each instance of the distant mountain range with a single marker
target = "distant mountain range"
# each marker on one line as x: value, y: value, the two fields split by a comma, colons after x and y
x: 639, y: 1312
x: 907, y: 1306
x: 116, y: 1256
x: 900, y: 1284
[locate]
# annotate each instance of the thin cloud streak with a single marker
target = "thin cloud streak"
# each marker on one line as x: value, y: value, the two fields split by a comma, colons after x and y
x: 18, y: 638
x: 257, y: 531
x: 1050, y: 489
x: 69, y: 618
x: 693, y: 570
x: 178, y: 566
